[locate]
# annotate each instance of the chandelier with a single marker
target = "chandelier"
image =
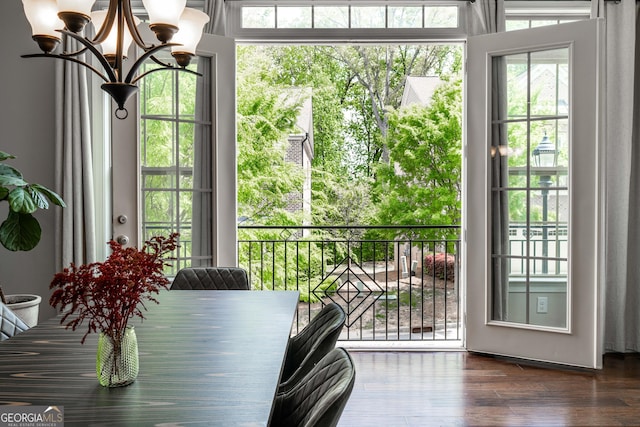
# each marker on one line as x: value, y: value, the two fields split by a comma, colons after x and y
x: 175, y: 26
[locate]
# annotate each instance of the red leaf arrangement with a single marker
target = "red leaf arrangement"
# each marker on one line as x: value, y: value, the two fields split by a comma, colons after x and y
x: 107, y: 294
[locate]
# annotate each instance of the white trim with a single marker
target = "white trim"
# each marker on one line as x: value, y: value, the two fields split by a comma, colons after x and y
x: 403, y: 345
x: 543, y: 8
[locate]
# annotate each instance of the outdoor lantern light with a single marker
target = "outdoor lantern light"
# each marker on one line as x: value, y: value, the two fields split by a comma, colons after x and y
x: 545, y: 155
x: 116, y: 28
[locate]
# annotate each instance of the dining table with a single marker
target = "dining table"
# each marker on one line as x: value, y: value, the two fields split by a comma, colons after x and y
x: 206, y: 357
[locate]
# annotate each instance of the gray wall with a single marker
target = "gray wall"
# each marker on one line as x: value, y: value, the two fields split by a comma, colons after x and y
x: 27, y: 122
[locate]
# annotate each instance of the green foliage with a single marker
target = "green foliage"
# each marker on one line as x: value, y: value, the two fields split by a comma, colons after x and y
x: 279, y: 264
x: 21, y: 231
x: 377, y: 76
x: 325, y: 287
x: 358, y: 132
x: 266, y: 116
x: 421, y: 185
x: 167, y: 150
x: 340, y: 201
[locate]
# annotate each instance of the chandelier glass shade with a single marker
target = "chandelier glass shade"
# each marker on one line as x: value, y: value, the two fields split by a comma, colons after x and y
x: 175, y: 26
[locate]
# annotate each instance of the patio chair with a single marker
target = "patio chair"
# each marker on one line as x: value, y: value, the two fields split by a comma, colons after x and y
x: 211, y: 278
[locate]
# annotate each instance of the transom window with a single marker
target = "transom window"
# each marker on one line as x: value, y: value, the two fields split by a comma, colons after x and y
x: 330, y: 20
x: 349, y: 16
x: 521, y: 14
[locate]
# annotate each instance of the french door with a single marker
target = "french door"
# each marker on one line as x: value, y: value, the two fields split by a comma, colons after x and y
x: 175, y: 166
x: 532, y: 186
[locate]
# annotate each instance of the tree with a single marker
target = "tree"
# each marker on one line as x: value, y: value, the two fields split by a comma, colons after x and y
x: 421, y: 185
x: 376, y: 78
x: 265, y: 119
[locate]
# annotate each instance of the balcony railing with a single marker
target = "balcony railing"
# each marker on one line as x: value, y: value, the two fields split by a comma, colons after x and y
x: 395, y: 283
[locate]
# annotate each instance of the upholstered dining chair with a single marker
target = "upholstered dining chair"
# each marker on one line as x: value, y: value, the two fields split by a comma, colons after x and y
x: 211, y: 278
x: 320, y: 397
x: 311, y: 344
x: 10, y: 324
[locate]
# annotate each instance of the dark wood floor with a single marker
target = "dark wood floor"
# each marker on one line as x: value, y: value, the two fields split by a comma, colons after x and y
x: 462, y: 389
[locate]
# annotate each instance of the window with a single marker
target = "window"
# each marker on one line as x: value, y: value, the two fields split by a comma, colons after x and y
x: 531, y: 187
x: 326, y: 19
x: 352, y: 16
x: 522, y: 14
x: 174, y: 189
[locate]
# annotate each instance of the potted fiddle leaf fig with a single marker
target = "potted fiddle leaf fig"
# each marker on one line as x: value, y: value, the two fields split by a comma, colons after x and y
x: 21, y: 231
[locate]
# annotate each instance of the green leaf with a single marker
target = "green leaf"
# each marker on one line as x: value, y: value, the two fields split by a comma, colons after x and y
x: 20, y: 232
x: 10, y: 176
x: 38, y: 198
x: 4, y: 156
x: 4, y: 192
x: 52, y: 196
x: 20, y: 201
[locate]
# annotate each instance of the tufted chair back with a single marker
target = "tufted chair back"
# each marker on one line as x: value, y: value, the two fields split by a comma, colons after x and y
x: 319, y: 399
x: 10, y: 324
x: 211, y: 278
x: 306, y: 348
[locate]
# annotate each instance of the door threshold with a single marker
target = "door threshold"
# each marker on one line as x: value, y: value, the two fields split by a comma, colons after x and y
x: 402, y: 345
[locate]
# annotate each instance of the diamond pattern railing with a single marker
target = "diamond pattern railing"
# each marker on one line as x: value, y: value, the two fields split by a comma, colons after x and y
x: 382, y: 276
x: 358, y: 301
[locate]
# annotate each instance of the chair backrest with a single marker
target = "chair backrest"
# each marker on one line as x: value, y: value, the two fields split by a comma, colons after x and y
x: 319, y: 399
x: 317, y: 339
x: 10, y: 324
x: 211, y: 278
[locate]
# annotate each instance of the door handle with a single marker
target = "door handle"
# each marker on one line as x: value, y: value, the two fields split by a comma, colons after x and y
x: 123, y: 240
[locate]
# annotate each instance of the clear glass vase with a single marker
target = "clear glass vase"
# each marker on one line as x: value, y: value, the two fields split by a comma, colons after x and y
x: 117, y: 359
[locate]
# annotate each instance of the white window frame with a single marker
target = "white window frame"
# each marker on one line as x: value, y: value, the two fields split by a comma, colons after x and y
x: 235, y: 30
x: 545, y: 10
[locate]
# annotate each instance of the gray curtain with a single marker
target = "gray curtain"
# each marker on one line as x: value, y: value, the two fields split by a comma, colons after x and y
x: 202, y: 209
x: 217, y: 17
x: 622, y: 200
x: 487, y: 16
x: 499, y: 194
x: 74, y: 172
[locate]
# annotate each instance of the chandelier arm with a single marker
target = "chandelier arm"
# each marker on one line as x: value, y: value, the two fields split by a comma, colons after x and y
x: 164, y: 64
x: 170, y: 68
x: 147, y: 54
x: 96, y: 53
x: 67, y: 58
x: 76, y: 53
x: 118, y: 65
x: 133, y: 29
x: 109, y: 19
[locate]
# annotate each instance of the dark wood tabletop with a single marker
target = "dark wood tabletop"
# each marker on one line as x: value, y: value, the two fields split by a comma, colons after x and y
x: 206, y: 358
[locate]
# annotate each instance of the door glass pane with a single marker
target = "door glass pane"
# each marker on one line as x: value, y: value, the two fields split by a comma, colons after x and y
x: 529, y: 188
x: 176, y: 155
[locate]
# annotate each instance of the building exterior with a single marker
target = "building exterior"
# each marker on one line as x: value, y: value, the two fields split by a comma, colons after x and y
x: 300, y: 151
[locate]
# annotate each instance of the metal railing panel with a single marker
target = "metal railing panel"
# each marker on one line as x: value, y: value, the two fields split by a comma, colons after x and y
x: 395, y: 283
